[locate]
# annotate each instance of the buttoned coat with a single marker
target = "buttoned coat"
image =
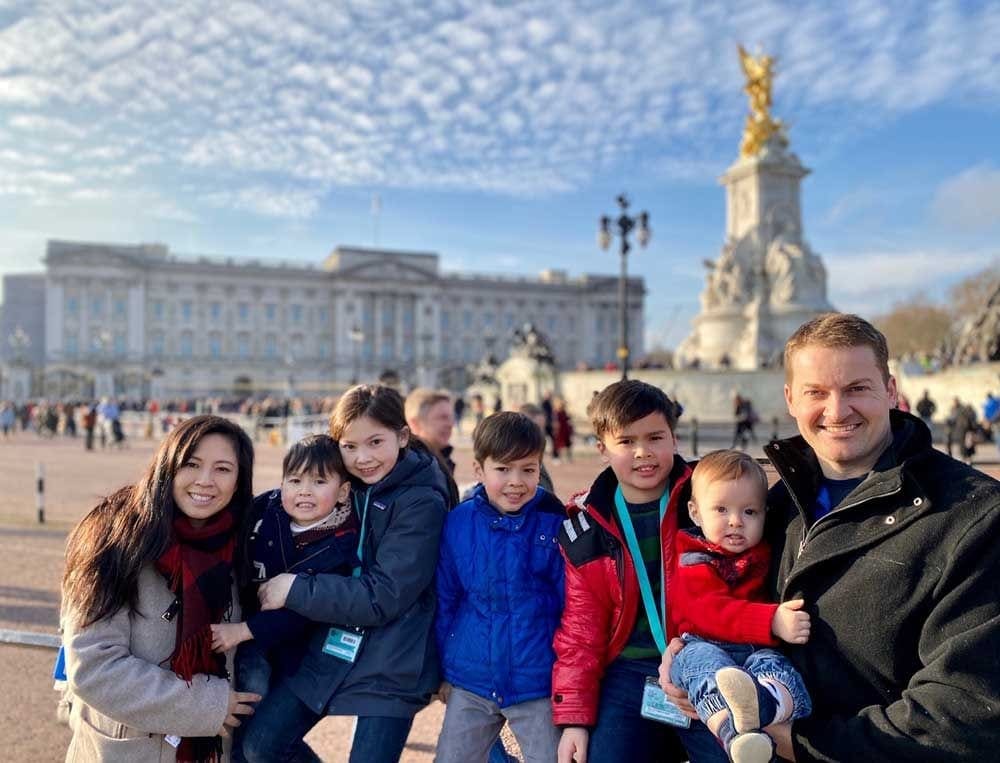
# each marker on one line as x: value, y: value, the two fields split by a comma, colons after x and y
x: 125, y: 698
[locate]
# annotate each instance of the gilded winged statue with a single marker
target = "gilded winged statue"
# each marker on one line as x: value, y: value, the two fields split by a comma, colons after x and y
x: 760, y: 125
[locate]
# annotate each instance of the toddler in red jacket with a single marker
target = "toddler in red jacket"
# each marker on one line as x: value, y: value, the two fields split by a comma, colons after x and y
x: 717, y: 602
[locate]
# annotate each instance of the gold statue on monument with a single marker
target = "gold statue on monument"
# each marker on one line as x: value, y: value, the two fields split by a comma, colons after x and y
x: 760, y: 125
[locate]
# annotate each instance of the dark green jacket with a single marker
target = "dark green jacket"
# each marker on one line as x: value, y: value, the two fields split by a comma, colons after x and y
x: 902, y: 581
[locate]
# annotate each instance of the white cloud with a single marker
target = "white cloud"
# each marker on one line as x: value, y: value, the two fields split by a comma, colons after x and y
x: 871, y: 282
x: 521, y: 97
x: 970, y: 200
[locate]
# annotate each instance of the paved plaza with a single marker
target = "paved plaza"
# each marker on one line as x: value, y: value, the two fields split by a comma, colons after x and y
x: 31, y: 562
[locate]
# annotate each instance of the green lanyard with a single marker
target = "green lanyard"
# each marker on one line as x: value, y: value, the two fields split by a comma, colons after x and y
x: 652, y: 614
x: 361, y: 535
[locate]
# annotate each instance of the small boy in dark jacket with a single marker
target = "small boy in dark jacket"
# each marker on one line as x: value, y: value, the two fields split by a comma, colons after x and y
x: 718, y: 604
x: 306, y: 526
x: 500, y: 596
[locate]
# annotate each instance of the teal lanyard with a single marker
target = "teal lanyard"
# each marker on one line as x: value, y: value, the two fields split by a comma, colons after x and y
x: 652, y: 614
x: 361, y: 535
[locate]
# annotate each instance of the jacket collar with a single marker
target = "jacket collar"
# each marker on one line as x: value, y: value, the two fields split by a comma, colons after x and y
x: 542, y: 501
x: 799, y: 469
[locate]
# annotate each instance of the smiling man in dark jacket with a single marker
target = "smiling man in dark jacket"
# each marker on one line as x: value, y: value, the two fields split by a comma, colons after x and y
x: 895, y: 547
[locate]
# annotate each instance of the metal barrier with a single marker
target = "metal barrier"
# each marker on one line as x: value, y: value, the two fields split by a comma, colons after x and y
x: 30, y: 638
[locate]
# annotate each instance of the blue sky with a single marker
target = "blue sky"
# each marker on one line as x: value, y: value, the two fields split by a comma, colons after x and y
x: 497, y: 134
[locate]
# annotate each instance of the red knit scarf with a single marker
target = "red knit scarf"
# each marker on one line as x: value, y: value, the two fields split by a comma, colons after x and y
x: 198, y: 566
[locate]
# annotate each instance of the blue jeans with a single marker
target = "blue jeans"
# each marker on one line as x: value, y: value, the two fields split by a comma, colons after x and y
x: 253, y: 673
x: 694, y: 668
x: 275, y: 732
x: 622, y: 734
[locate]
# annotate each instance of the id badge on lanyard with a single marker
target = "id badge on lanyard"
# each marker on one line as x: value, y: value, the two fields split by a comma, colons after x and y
x: 656, y: 705
x: 345, y: 643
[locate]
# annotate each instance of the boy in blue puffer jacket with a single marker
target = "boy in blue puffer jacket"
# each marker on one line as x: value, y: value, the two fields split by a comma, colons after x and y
x: 500, y: 597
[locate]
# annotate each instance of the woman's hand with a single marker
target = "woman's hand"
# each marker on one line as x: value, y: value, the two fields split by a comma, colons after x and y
x: 226, y: 636
x: 240, y: 704
x: 274, y: 592
x: 678, y: 696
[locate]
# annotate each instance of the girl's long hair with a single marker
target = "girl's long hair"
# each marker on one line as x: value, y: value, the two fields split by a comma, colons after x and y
x: 134, y: 525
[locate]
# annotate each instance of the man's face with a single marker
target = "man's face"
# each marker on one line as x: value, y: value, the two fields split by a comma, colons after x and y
x: 841, y: 404
x: 641, y: 455
x: 436, y: 425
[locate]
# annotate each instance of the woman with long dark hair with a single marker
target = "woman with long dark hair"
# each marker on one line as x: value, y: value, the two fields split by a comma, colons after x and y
x: 148, y: 571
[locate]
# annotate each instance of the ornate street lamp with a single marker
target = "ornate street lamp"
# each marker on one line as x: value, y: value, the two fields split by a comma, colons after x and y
x: 624, y: 224
x: 357, y: 336
x: 19, y: 341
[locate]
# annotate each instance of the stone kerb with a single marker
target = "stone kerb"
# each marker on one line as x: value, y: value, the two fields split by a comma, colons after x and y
x: 705, y: 395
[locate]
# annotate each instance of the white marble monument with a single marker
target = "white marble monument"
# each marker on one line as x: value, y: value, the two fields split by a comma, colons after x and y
x: 767, y: 281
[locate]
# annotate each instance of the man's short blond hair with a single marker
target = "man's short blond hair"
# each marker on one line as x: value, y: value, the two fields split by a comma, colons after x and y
x: 727, y: 466
x: 422, y: 399
x: 838, y: 331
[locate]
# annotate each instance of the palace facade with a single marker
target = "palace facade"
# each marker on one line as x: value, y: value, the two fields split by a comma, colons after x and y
x: 137, y: 320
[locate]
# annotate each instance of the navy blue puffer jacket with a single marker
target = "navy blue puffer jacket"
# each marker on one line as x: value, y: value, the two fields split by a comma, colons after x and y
x: 500, y: 597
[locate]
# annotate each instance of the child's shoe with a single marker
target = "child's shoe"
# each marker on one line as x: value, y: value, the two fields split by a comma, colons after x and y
x: 751, y: 706
x: 752, y: 747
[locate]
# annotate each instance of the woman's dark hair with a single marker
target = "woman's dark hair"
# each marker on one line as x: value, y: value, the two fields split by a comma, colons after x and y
x: 318, y: 452
x: 134, y: 525
x: 378, y: 402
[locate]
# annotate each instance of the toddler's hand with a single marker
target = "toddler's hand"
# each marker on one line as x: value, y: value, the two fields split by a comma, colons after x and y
x: 573, y: 745
x: 790, y: 623
x: 226, y: 636
x: 274, y: 592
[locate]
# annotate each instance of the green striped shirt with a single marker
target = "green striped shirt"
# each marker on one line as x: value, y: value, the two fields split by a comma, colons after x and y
x: 646, y: 521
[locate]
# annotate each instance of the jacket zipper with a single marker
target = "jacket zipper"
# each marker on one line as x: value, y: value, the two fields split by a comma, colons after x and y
x: 807, y: 532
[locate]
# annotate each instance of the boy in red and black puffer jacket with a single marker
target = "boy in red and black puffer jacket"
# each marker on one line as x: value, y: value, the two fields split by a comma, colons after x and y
x: 606, y: 645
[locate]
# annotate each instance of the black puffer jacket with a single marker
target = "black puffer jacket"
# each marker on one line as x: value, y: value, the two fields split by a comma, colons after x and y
x: 902, y: 580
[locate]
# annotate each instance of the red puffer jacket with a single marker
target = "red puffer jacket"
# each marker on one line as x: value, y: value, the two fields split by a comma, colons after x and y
x: 602, y: 593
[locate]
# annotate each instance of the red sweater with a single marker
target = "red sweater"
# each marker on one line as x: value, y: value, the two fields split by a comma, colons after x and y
x: 719, y: 595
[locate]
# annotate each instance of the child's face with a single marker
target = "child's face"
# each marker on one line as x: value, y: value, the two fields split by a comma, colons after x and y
x: 308, y: 497
x: 370, y: 449
x: 641, y: 456
x: 729, y: 512
x: 509, y: 484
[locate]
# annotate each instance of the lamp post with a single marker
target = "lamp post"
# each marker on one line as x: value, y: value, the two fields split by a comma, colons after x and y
x: 357, y: 336
x: 625, y: 224
x: 19, y: 371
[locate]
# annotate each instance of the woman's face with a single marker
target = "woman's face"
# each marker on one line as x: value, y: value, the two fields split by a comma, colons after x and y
x: 204, y: 485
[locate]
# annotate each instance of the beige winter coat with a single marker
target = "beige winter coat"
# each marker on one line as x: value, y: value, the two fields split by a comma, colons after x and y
x: 125, y: 699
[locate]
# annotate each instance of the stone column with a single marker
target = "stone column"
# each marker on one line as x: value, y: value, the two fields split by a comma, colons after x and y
x: 54, y: 304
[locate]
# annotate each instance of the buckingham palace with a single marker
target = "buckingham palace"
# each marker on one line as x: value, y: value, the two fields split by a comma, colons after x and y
x: 138, y: 320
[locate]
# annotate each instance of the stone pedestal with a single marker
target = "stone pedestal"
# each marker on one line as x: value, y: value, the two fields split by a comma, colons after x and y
x: 524, y: 379
x: 767, y: 281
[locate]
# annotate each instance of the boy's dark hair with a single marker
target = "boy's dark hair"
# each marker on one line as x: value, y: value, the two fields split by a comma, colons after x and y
x: 507, y: 436
x: 619, y: 404
x: 318, y: 452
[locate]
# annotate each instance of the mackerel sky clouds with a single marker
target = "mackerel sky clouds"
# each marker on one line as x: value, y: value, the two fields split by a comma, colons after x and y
x: 497, y: 134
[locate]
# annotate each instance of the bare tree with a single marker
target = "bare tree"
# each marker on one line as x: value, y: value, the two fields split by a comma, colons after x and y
x: 915, y: 326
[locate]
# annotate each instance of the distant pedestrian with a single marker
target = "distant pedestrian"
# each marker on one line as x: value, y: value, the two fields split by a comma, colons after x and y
x: 459, y: 410
x: 746, y: 418
x: 926, y: 408
x: 7, y: 419
x: 562, y: 429
x: 89, y: 424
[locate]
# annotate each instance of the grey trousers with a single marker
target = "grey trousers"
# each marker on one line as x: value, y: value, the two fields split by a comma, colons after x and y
x: 472, y: 723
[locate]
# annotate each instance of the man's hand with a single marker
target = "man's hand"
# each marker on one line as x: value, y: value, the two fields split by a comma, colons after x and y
x: 240, y: 704
x: 678, y: 696
x: 573, y: 745
x: 274, y: 592
x: 790, y: 623
x: 444, y: 692
x: 226, y: 636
